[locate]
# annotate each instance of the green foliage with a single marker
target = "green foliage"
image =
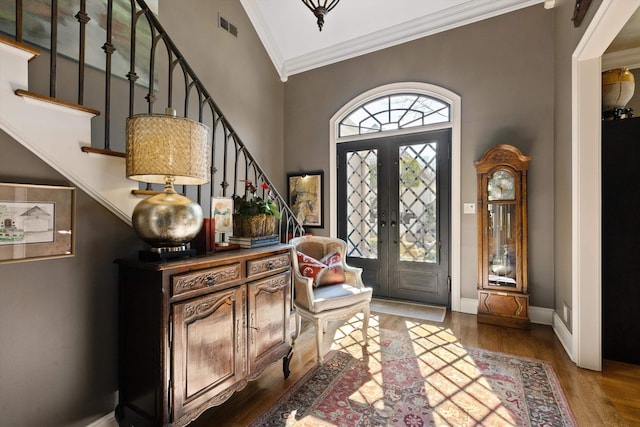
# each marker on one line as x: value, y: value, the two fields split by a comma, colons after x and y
x: 411, y: 170
x: 255, y: 205
x: 250, y: 204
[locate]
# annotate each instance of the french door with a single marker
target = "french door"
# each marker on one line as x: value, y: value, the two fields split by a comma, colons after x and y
x: 393, y: 212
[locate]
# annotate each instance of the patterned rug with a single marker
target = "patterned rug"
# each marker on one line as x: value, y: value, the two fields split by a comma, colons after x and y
x: 421, y: 378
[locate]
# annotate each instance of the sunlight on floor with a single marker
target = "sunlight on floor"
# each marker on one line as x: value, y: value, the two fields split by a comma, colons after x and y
x: 424, y: 373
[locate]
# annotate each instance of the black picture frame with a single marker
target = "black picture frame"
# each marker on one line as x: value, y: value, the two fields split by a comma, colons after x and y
x: 305, y: 195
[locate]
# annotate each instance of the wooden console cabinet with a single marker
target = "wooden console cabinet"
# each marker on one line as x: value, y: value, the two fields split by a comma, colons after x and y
x: 195, y: 331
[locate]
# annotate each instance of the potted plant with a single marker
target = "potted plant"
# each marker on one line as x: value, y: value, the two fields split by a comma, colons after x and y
x: 254, y: 216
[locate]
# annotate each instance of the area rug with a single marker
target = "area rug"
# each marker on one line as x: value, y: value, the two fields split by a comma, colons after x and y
x: 422, y: 379
x: 408, y: 309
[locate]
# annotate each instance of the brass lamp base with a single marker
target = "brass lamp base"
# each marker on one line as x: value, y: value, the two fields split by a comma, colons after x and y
x: 167, y: 221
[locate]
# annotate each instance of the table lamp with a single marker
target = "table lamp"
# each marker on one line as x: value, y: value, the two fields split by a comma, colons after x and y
x: 164, y: 149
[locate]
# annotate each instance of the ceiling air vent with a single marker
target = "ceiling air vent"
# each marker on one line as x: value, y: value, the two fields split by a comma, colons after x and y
x: 228, y: 26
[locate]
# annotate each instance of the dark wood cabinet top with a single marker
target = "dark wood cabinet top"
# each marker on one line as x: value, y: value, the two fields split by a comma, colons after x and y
x: 202, y: 261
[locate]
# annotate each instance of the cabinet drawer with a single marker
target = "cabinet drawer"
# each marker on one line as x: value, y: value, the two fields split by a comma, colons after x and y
x: 260, y: 266
x: 209, y: 278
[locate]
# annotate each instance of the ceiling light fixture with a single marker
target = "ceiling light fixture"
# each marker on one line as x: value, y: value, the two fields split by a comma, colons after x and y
x: 320, y: 8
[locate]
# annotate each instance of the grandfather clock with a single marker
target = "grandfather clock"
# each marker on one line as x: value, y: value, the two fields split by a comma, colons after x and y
x: 503, y: 297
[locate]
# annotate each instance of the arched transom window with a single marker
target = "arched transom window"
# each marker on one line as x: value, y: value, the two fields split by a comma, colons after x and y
x: 393, y: 112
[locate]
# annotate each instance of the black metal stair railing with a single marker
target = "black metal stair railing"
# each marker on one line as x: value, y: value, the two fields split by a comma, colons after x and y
x: 158, y: 79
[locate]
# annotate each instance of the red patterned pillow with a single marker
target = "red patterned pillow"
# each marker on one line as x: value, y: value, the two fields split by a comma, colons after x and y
x: 309, y: 267
x: 332, y: 258
x: 321, y: 273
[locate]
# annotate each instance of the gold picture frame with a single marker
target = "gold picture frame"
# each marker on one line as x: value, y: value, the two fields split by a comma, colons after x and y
x: 36, y: 222
x: 305, y: 196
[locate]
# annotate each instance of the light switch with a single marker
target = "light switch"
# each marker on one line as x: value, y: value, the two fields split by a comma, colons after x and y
x: 469, y: 208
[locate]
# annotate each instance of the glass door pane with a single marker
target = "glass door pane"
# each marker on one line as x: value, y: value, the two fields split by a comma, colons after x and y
x: 362, y: 203
x: 418, y: 203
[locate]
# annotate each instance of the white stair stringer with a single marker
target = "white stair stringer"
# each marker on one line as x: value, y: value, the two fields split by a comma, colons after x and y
x: 56, y: 133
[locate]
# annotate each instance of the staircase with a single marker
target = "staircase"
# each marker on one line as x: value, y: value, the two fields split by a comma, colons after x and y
x: 56, y: 131
x: 60, y: 131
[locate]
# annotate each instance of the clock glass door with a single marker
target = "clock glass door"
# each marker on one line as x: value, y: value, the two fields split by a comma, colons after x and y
x: 502, y: 226
x: 502, y: 247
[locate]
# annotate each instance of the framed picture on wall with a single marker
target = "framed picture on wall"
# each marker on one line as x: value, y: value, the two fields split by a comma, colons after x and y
x: 305, y: 197
x: 36, y: 222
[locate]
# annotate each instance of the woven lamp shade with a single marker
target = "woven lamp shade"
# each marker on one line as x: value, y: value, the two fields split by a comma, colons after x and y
x: 163, y: 145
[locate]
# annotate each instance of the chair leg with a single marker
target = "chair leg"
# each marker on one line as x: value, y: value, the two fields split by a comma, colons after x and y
x: 365, y: 325
x: 319, y: 338
x: 298, y: 327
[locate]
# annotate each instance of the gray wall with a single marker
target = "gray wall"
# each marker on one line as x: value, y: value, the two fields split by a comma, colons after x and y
x: 58, y: 324
x: 58, y: 318
x: 503, y: 70
x: 237, y: 72
x: 566, y: 39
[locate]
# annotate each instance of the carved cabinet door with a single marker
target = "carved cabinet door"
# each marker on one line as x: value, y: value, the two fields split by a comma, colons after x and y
x: 209, y: 354
x: 269, y: 310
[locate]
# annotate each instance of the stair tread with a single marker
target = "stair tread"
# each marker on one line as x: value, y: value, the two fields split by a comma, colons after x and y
x: 103, y: 151
x: 44, y: 98
x: 32, y: 50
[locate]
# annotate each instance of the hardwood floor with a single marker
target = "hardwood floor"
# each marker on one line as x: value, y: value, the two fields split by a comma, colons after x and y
x: 607, y: 398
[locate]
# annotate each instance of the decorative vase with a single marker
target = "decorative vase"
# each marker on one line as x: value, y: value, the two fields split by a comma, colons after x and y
x: 618, y: 86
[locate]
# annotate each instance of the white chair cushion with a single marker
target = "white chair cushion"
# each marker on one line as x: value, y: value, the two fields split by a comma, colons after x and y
x: 338, y: 296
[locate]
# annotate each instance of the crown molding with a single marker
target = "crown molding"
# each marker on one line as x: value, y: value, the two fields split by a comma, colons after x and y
x: 629, y: 58
x: 265, y: 35
x: 447, y: 19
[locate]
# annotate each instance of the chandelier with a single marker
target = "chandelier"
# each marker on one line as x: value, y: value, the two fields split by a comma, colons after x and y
x: 320, y: 8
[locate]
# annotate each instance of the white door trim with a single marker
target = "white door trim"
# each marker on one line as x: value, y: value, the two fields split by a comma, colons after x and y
x: 586, y: 179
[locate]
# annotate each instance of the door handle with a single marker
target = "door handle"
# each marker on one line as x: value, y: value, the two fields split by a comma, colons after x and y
x: 393, y: 226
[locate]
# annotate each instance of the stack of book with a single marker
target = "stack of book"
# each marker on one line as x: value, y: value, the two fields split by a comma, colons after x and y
x: 254, y: 242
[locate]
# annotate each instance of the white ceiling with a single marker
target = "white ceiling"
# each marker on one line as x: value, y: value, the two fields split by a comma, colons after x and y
x: 288, y: 29
x: 628, y: 37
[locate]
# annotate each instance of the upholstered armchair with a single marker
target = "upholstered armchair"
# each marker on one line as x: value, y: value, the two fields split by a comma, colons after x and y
x: 325, y: 287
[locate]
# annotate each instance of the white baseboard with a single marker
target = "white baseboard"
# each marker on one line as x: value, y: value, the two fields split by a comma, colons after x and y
x: 469, y: 305
x: 108, y: 420
x: 541, y: 315
x: 563, y: 334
